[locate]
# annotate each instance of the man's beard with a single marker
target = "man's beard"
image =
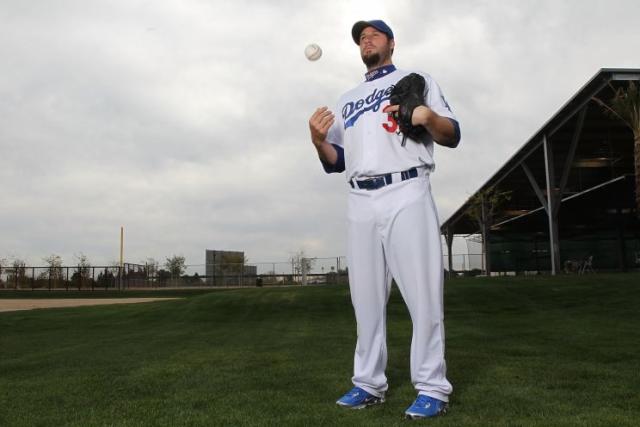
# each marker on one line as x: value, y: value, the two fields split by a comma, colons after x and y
x: 371, y: 60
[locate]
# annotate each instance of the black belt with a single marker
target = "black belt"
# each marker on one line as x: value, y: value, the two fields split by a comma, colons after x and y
x: 382, y: 180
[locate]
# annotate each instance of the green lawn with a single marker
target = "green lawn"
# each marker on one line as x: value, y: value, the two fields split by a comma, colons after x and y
x: 521, y: 351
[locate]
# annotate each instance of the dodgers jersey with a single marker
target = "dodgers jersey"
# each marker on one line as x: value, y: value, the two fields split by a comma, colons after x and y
x: 368, y: 141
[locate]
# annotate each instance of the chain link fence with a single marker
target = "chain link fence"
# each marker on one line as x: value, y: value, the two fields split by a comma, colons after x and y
x: 302, y: 271
x: 465, y: 264
x: 62, y: 277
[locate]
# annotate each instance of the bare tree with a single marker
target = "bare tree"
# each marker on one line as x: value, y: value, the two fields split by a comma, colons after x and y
x: 3, y: 265
x: 151, y: 269
x: 301, y: 264
x: 18, y: 272
x: 483, y: 207
x: 176, y: 266
x: 83, y: 271
x: 55, y: 273
x: 625, y: 106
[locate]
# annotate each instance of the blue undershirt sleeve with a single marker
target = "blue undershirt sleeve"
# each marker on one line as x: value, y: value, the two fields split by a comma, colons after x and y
x: 456, y: 128
x: 339, y: 166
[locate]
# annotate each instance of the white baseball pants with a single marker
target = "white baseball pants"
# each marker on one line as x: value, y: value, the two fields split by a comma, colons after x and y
x: 393, y: 232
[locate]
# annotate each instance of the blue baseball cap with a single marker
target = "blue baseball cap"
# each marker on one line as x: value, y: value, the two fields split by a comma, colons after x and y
x: 378, y: 24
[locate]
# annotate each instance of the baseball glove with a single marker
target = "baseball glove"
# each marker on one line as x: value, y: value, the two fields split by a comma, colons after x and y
x: 408, y: 93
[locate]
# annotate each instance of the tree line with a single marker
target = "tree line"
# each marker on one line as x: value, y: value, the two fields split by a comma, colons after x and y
x: 15, y: 271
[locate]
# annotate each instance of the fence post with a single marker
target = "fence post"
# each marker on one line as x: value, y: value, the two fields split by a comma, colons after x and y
x: 303, y: 261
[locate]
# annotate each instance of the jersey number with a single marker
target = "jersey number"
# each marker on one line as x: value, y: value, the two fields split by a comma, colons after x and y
x: 391, y: 126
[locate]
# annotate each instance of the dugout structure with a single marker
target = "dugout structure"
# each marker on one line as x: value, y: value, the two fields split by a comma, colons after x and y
x: 571, y: 188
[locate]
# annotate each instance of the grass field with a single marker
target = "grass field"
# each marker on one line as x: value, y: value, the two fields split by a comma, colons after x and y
x: 521, y: 351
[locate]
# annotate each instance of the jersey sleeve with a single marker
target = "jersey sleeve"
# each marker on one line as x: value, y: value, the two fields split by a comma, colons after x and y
x: 335, y: 137
x: 436, y: 101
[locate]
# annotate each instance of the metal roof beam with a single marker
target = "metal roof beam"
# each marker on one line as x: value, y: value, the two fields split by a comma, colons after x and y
x: 580, y: 106
x: 573, y: 196
x: 519, y: 216
x: 571, y: 153
x: 552, y: 201
x: 595, y: 187
x: 521, y: 161
x: 534, y: 184
x: 625, y: 77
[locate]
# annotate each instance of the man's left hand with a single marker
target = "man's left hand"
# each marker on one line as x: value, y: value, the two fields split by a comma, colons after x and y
x: 420, y: 117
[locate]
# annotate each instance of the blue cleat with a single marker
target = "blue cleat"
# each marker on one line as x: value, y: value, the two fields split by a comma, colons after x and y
x: 357, y: 398
x: 426, y: 407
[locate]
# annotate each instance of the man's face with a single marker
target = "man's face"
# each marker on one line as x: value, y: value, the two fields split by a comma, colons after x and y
x: 375, y: 47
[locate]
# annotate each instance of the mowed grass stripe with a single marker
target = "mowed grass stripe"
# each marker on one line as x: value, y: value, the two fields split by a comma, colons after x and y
x: 521, y: 351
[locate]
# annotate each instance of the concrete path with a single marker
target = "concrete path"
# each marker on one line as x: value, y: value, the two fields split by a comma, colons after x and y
x: 30, y: 304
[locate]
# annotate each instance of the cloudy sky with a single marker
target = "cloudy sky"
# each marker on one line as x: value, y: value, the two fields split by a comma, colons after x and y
x: 186, y: 121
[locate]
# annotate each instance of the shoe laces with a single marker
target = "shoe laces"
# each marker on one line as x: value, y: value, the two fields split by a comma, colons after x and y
x: 422, y: 401
x: 354, y: 391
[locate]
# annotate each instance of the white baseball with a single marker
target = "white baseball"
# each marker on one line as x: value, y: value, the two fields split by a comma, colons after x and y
x: 313, y: 52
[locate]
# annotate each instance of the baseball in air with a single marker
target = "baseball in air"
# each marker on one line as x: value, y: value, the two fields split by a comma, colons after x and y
x: 313, y: 52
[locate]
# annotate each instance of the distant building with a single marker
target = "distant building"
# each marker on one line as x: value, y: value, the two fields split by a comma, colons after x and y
x: 227, y: 268
x: 251, y: 270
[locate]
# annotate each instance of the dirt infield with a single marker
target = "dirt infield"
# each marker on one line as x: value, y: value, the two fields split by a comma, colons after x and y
x: 30, y: 304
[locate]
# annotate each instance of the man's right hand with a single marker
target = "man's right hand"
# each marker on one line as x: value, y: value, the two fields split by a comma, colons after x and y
x: 319, y: 124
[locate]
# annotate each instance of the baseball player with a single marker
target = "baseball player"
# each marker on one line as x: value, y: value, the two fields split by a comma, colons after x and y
x: 393, y: 230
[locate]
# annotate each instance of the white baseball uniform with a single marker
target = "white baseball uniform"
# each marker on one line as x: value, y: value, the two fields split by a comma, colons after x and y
x: 393, y: 231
